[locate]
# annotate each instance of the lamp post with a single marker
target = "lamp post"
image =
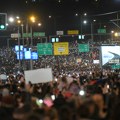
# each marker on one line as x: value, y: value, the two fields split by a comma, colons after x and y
x: 32, y: 19
x: 18, y: 21
x: 19, y: 44
x: 82, y: 22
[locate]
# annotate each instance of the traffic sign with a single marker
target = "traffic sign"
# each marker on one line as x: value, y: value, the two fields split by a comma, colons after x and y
x: 101, y: 31
x: 44, y: 48
x: 73, y: 32
x: 116, y: 66
x: 26, y: 35
x: 61, y: 48
x: 83, y: 47
x: 39, y: 34
x: 15, y: 35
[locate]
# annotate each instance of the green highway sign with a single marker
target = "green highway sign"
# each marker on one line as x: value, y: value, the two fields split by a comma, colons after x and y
x: 26, y: 35
x: 83, y: 47
x: 116, y: 66
x: 39, y: 34
x: 44, y: 49
x: 101, y: 31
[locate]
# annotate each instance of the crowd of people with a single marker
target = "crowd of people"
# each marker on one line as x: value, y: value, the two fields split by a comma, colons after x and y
x: 80, y: 90
x: 82, y: 96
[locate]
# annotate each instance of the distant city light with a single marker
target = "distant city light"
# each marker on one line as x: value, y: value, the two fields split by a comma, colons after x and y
x: 59, y: 1
x: 105, y: 26
x: 82, y: 92
x: 18, y: 21
x: 32, y: 18
x: 85, y: 14
x: 7, y: 24
x: 112, y: 31
x: 17, y: 17
x: 85, y: 21
x: 39, y: 24
x: 11, y: 19
x: 50, y: 16
x: 116, y: 34
x: 76, y: 14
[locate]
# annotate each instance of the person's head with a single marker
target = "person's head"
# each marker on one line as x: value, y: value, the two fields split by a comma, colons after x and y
x: 5, y: 92
x: 98, y: 99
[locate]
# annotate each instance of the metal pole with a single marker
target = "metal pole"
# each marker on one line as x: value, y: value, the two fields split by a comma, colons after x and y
x: 19, y: 44
x: 22, y: 36
x: 81, y: 25
x: 31, y: 36
x: 92, y: 39
x: 100, y: 28
x: 92, y: 33
x: 23, y: 48
x: 27, y: 32
x: 31, y: 62
x: 46, y: 39
x: 8, y: 40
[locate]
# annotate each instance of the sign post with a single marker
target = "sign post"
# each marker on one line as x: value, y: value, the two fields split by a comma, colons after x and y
x: 116, y: 66
x: 44, y: 49
x: 61, y: 48
x: 101, y: 31
x: 39, y: 34
x: 83, y: 47
x: 27, y: 35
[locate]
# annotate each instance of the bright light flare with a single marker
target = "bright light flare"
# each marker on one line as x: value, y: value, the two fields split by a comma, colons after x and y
x: 39, y: 24
x: 32, y: 18
x: 82, y: 92
x: 11, y: 19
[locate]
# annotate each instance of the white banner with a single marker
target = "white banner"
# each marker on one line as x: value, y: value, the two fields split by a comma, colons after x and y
x: 3, y: 77
x: 39, y: 76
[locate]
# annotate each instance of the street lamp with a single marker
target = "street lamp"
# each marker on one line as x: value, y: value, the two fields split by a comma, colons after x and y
x: 18, y: 22
x: 39, y: 24
x: 17, y: 17
x: 85, y: 14
x: 11, y: 19
x: 85, y: 21
x: 81, y: 21
x: 50, y: 16
x: 32, y: 20
x: 116, y: 34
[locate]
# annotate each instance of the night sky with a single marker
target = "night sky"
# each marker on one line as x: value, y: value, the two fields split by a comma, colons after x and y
x: 58, y: 7
x: 62, y: 11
